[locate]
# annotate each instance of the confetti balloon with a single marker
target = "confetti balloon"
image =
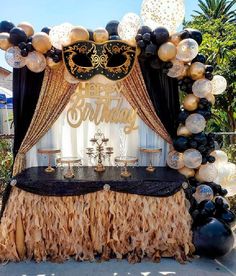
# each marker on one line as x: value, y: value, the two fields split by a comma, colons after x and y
x: 175, y: 160
x: 36, y: 62
x: 201, y: 88
x: 195, y: 123
x: 208, y: 172
x: 192, y: 158
x: 129, y: 25
x: 177, y: 70
x: 203, y: 192
x: 219, y: 85
x: 187, y: 50
x: 168, y: 13
x: 14, y: 58
x: 60, y: 35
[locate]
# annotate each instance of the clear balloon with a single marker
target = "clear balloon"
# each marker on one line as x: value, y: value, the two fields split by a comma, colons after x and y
x: 187, y: 50
x: 203, y: 192
x: 175, y: 160
x: 36, y: 62
x: 195, y: 123
x: 177, y: 70
x: 129, y: 25
x: 208, y: 172
x: 60, y: 35
x: 219, y: 85
x: 192, y: 158
x: 201, y: 88
x: 168, y: 13
x: 14, y: 58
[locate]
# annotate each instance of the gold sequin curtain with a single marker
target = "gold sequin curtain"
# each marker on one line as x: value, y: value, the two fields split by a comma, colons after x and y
x: 54, y: 96
x: 137, y: 95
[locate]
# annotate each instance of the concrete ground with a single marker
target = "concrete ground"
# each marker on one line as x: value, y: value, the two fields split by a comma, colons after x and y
x: 198, y: 267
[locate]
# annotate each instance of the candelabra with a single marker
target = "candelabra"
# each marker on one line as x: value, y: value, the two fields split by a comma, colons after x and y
x: 98, y: 151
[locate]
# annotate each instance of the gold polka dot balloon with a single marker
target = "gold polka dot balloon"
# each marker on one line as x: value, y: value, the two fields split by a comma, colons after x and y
x: 128, y: 26
x: 165, y: 13
x: 219, y: 85
x: 60, y: 35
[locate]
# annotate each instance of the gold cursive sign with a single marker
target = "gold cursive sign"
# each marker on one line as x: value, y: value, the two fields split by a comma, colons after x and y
x: 106, y: 106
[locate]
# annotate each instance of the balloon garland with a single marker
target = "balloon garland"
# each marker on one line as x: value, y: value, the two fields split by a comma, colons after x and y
x: 177, y: 55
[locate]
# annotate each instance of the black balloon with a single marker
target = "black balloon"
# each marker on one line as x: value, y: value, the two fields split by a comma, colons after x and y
x: 141, y: 44
x: 196, y: 35
x: 193, y: 144
x: 147, y: 37
x: 183, y: 115
x: 144, y: 29
x: 138, y: 37
x: 46, y: 30
x: 114, y: 37
x: 209, y: 68
x: 155, y: 63
x: 212, y: 238
x: 22, y: 45
x: 211, y: 159
x: 29, y: 47
x: 24, y: 52
x: 160, y: 35
x: 90, y: 34
x: 17, y: 35
x: 208, y: 206
x: 227, y: 216
x: 200, y: 58
x: 112, y: 26
x: 200, y: 138
x: 181, y: 143
x: 150, y: 50
x: 208, y: 76
x: 6, y: 26
x: 184, y: 34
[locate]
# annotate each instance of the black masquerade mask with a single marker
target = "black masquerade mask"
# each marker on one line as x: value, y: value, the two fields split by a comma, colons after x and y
x: 85, y: 59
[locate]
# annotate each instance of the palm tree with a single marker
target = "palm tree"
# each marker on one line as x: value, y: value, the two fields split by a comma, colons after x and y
x: 213, y: 9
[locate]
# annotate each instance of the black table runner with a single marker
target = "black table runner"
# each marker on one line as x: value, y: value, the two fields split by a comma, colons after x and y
x: 163, y: 182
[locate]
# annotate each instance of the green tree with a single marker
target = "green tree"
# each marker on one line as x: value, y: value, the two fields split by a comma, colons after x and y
x: 213, y: 9
x: 219, y: 46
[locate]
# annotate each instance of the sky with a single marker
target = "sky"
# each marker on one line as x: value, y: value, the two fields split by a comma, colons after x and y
x: 88, y: 13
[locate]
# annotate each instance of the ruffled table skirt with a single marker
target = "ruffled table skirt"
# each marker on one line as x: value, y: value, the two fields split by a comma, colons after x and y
x: 101, y: 225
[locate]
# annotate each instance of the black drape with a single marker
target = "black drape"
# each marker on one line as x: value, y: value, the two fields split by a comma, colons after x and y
x: 26, y: 89
x: 164, y: 95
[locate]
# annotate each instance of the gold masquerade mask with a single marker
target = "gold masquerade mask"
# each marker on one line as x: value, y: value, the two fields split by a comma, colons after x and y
x: 85, y: 59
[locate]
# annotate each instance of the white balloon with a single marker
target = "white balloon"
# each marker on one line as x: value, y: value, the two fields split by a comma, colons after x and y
x: 195, y: 123
x: 128, y: 26
x: 201, y: 88
x: 220, y: 156
x: 60, y: 35
x: 187, y: 50
x: 192, y: 158
x: 165, y: 13
x: 219, y: 85
x: 208, y: 172
x: 14, y: 58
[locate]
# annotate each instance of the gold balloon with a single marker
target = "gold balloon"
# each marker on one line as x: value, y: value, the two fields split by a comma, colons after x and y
x: 175, y: 39
x: 4, y: 41
x: 197, y: 70
x: 183, y: 131
x: 190, y: 102
x: 211, y: 98
x: 100, y: 35
x: 27, y: 27
x: 198, y: 178
x: 78, y: 33
x: 52, y: 64
x: 41, y: 42
x: 138, y: 51
x: 167, y: 51
x: 187, y: 172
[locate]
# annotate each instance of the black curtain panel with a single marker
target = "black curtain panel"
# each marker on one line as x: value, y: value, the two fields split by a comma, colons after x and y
x: 164, y: 95
x: 26, y: 89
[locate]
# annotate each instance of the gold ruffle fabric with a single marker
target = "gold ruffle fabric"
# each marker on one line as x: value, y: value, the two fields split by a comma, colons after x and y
x: 137, y: 95
x: 54, y: 96
x: 104, y: 224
